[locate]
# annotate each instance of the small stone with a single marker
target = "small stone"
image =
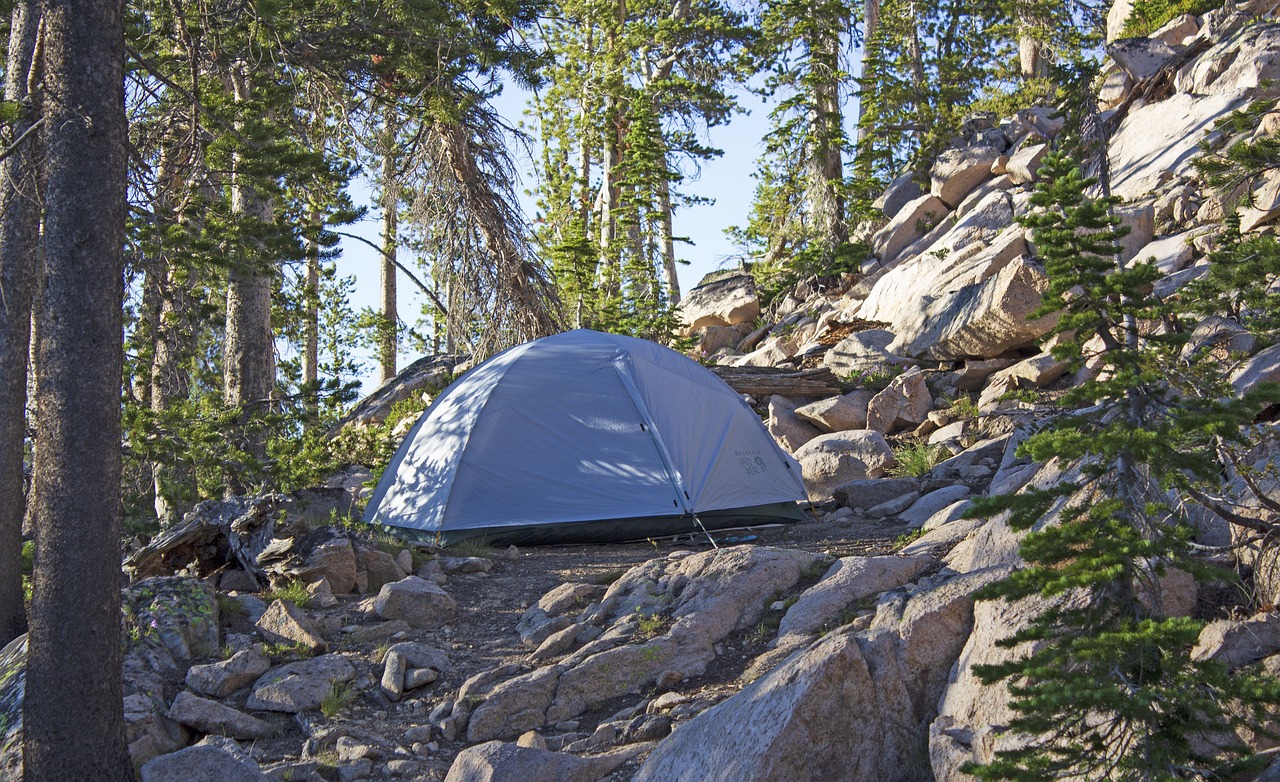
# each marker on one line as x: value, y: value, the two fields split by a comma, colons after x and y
x: 511, y: 554
x: 531, y: 739
x: 418, y: 734
x: 419, y: 677
x: 320, y: 594
x: 371, y: 633
x: 355, y: 771
x: 349, y: 748
x: 393, y: 675
x: 455, y: 566
x: 405, y: 560
x: 209, y: 716
x: 220, y: 679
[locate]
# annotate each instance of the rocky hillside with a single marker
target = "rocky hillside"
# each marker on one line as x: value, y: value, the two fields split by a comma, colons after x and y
x: 265, y: 644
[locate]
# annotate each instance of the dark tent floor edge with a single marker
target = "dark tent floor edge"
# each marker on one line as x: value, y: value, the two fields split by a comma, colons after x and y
x: 608, y: 530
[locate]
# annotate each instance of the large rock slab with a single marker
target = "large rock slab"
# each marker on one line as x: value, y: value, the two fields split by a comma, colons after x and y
x: 901, y: 295
x: 725, y: 302
x: 696, y: 601
x: 1239, y: 643
x: 1160, y: 140
x: 982, y: 320
x: 1261, y: 368
x: 300, y: 686
x: 417, y: 601
x: 971, y: 714
x: 852, y: 707
x: 848, y: 581
x: 829, y: 460
x: 1236, y: 67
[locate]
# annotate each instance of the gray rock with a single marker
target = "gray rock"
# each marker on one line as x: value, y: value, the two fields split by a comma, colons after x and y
x: 220, y: 679
x: 725, y: 302
x: 1141, y: 58
x: 1219, y: 337
x: 1235, y: 643
x: 393, y: 666
x: 420, y: 603
x: 705, y: 597
x: 848, y: 581
x: 378, y: 569
x: 956, y: 172
x: 209, y: 716
x: 913, y: 221
x: 953, y: 512
x: 202, y: 764
x: 838, y: 413
x: 320, y: 594
x: 903, y: 405
x: 498, y: 761
x: 829, y: 460
x: 984, y: 319
x: 864, y: 351
x: 899, y: 193
x: 1262, y: 368
x: 1023, y: 164
x: 300, y: 686
x: 419, y: 677
x: 332, y: 558
x: 851, y: 707
x: 420, y: 655
x: 1170, y: 254
x: 789, y: 429
x: 285, y: 623
x: 173, y: 613
x: 454, y: 566
x: 925, y: 508
x: 864, y: 494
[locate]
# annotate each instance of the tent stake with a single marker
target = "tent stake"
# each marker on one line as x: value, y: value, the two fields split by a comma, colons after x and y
x: 704, y: 532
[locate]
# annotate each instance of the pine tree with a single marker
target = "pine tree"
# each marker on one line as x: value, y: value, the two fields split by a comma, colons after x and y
x: 1109, y: 689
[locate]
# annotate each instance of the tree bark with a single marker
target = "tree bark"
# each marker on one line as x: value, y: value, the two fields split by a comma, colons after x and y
x: 19, y: 238
x: 826, y: 170
x: 387, y: 342
x: 311, y: 327
x: 75, y: 609
x: 249, y: 370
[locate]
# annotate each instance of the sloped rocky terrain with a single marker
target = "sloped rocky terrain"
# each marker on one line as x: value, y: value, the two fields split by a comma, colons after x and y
x: 837, y: 649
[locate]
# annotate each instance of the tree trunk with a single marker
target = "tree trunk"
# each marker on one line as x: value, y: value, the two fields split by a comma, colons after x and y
x: 311, y: 326
x: 19, y: 237
x: 249, y: 370
x: 387, y: 343
x: 826, y: 170
x: 75, y: 608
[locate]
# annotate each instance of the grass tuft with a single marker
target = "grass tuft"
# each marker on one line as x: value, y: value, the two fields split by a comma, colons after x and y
x: 916, y: 460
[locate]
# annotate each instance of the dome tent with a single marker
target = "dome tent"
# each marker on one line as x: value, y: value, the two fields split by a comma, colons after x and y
x: 585, y: 437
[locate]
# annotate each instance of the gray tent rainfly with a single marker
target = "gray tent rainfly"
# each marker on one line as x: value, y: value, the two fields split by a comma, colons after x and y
x: 585, y: 437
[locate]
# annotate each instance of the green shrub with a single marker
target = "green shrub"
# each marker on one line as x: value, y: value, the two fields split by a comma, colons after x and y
x: 1150, y: 15
x: 916, y: 460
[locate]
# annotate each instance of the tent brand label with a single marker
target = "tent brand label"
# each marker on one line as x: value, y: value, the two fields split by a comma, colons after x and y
x: 752, y: 461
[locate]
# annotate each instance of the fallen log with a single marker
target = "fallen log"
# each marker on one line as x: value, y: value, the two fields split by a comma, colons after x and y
x: 763, y: 381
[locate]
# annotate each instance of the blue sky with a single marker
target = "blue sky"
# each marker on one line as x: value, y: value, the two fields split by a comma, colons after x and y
x: 727, y: 180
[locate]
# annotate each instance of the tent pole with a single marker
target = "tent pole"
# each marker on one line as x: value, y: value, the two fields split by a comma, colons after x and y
x: 704, y: 531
